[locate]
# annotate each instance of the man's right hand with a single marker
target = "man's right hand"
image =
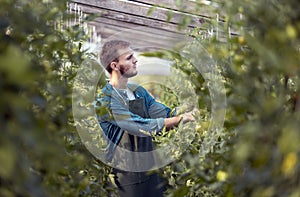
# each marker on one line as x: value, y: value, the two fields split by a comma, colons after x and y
x: 174, y: 121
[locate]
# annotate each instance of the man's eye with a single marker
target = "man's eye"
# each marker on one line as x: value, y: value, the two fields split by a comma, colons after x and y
x: 128, y: 58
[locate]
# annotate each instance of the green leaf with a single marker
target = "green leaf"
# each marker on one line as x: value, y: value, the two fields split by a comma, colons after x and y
x: 151, y: 10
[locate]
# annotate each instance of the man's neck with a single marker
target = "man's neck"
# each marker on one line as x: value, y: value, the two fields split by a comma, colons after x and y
x: 118, y: 81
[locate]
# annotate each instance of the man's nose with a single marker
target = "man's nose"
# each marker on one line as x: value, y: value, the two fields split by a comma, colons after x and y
x: 134, y: 60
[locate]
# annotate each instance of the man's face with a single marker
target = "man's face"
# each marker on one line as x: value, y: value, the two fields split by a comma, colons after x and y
x: 127, y: 63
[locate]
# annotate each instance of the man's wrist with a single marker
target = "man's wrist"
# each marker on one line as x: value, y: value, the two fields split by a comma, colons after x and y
x: 180, y: 118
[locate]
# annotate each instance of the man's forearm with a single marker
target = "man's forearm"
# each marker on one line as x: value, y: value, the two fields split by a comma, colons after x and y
x: 172, y: 122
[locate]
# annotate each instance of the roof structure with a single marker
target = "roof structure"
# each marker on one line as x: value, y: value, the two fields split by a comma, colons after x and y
x: 146, y: 23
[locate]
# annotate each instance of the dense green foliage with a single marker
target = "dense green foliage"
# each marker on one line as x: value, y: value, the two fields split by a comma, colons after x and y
x: 256, y: 153
x: 40, y: 151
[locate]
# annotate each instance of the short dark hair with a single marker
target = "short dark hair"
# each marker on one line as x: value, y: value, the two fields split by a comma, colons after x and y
x: 109, y: 52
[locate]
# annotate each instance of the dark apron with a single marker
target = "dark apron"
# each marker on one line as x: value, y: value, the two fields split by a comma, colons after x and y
x: 136, y: 184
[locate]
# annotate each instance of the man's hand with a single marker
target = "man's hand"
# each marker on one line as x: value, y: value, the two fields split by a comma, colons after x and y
x: 188, y: 117
x: 174, y: 121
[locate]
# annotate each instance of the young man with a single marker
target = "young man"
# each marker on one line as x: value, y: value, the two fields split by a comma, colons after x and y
x: 133, y: 117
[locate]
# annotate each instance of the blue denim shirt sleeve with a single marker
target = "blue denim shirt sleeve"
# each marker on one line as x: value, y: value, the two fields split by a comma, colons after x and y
x: 133, y: 123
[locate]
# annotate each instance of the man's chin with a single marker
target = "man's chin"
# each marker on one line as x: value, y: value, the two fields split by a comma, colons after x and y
x: 130, y: 75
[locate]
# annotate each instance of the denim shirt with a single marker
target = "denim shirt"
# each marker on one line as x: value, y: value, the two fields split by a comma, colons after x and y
x: 119, y: 119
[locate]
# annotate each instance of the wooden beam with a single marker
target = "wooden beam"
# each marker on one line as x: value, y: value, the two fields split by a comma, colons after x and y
x: 192, y: 7
x: 142, y: 10
x: 141, y: 36
x: 133, y: 19
x: 130, y: 20
x: 110, y: 23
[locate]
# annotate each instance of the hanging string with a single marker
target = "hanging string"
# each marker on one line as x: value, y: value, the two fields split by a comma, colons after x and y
x: 78, y: 19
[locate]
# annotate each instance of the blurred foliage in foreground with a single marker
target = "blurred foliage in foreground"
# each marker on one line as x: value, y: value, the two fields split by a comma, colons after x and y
x: 40, y: 151
x: 257, y: 153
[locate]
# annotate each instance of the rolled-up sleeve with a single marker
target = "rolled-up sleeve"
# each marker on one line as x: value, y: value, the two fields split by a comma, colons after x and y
x: 158, y: 110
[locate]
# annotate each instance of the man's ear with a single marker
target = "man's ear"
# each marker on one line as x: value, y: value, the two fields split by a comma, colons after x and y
x: 113, y: 66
